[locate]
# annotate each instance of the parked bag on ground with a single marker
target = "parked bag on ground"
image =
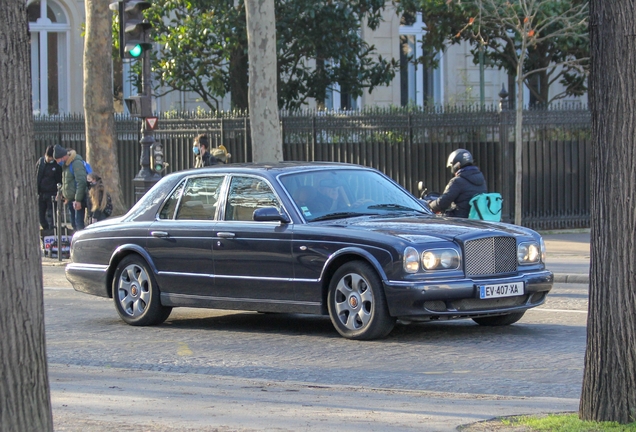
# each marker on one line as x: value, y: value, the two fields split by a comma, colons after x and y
x: 486, y: 206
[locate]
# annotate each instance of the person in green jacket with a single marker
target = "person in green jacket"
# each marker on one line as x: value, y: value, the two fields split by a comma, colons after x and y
x: 74, y: 184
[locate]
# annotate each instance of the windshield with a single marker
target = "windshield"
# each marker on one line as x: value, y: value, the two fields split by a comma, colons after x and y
x: 339, y: 193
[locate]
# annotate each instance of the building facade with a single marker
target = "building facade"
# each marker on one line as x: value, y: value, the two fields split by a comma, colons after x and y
x: 56, y: 28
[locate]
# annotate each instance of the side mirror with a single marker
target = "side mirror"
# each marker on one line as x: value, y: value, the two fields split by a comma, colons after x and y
x: 269, y: 214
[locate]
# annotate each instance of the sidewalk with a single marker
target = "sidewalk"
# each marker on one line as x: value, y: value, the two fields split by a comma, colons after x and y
x: 568, y: 255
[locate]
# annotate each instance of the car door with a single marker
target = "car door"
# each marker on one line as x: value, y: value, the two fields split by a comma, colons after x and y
x: 252, y: 260
x: 180, y: 240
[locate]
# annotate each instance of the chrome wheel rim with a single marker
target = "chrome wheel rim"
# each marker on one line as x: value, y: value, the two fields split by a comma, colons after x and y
x: 353, y: 301
x: 133, y: 290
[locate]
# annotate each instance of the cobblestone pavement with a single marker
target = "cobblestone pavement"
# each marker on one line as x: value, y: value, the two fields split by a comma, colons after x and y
x: 525, y: 365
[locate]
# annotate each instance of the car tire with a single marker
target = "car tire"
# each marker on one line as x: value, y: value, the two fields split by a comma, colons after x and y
x: 499, y: 320
x: 357, y: 304
x: 136, y: 294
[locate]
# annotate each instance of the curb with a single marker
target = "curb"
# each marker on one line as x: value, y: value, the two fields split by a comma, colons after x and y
x: 571, y: 278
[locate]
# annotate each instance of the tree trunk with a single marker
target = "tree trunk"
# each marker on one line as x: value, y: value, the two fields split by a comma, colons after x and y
x: 25, y: 403
x: 519, y: 142
x: 238, y: 80
x: 267, y: 143
x: 101, y: 140
x: 609, y: 378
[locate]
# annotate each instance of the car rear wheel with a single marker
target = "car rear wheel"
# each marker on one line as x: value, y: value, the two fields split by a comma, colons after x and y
x: 500, y: 320
x: 136, y: 294
x: 356, y: 302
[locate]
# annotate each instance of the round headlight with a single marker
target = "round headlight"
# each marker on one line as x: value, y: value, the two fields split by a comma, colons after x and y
x: 522, y: 253
x: 528, y: 253
x: 411, y: 260
x: 446, y: 259
x: 429, y: 260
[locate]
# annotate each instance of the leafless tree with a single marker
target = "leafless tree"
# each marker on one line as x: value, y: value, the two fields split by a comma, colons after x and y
x: 25, y: 403
x: 101, y: 139
x: 524, y: 24
x: 609, y: 378
x: 267, y: 144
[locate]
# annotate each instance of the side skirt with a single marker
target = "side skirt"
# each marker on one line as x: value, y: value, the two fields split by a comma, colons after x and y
x: 261, y: 305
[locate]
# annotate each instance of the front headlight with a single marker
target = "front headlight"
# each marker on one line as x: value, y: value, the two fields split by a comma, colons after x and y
x: 528, y: 253
x: 440, y: 259
x: 411, y: 260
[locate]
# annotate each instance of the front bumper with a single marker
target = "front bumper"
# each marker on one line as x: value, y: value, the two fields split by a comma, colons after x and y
x: 88, y: 278
x: 459, y: 298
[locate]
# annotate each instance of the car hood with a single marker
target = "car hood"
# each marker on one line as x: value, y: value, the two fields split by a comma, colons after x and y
x: 428, y: 228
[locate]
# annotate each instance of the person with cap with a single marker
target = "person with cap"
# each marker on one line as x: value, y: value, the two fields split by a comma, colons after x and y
x: 201, y: 149
x: 74, y: 184
x: 467, y: 182
x: 49, y: 175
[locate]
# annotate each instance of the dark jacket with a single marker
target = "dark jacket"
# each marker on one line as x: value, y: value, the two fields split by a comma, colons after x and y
x: 208, y: 160
x: 467, y: 183
x: 49, y: 175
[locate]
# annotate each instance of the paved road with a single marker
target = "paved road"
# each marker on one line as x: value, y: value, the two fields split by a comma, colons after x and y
x: 219, y: 370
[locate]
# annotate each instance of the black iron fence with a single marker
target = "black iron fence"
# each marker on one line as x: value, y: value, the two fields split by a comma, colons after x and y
x: 408, y: 146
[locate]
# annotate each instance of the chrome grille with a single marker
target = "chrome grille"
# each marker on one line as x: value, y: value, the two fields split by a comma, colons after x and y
x: 490, y: 256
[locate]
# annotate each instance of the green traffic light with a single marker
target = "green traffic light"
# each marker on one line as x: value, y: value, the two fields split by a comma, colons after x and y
x: 158, y: 167
x: 136, y: 51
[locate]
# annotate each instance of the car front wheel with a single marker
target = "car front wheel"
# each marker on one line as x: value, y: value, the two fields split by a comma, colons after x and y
x: 136, y: 294
x: 356, y: 302
x: 500, y: 320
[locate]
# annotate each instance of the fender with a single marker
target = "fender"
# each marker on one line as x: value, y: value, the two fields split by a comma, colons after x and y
x: 355, y: 250
x: 130, y: 247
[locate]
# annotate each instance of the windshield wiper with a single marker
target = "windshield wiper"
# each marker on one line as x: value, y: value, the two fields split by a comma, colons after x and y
x: 339, y: 215
x: 395, y: 207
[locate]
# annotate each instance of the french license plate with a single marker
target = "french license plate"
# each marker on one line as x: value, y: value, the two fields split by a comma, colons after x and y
x: 501, y: 290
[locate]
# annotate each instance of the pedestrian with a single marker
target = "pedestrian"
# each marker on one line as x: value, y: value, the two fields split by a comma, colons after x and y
x: 201, y: 149
x: 467, y: 182
x: 100, y: 203
x: 74, y: 184
x: 221, y: 154
x: 49, y: 175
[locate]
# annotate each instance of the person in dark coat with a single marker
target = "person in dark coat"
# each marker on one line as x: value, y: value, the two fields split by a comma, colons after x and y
x: 49, y: 175
x: 467, y: 182
x: 201, y: 148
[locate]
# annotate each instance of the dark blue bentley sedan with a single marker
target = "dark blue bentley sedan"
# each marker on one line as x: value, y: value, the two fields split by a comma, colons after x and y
x: 311, y: 238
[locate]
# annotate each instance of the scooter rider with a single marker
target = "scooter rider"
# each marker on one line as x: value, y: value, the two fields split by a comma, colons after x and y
x: 467, y: 182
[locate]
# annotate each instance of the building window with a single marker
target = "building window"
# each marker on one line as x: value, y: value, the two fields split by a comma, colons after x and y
x: 418, y: 85
x: 50, y: 30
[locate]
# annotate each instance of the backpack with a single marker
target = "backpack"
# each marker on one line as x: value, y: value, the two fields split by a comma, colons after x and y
x: 87, y: 166
x: 486, y: 206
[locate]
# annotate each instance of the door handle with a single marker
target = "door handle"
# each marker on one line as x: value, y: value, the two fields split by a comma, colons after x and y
x: 226, y: 235
x: 159, y: 234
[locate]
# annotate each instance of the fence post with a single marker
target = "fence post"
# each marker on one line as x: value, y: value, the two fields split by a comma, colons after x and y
x: 312, y: 158
x: 506, y: 164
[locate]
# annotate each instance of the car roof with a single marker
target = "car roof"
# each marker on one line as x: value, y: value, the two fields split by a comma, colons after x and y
x: 271, y: 168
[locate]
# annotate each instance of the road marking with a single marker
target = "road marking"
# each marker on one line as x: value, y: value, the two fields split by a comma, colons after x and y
x: 58, y: 288
x: 560, y: 310
x: 183, y: 349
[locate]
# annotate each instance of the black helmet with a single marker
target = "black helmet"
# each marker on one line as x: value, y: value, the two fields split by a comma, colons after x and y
x: 459, y: 159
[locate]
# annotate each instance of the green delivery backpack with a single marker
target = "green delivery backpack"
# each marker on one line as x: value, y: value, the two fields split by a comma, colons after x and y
x: 486, y: 206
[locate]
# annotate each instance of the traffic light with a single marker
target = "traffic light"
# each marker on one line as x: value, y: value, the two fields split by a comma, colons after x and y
x: 156, y: 154
x: 133, y: 27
